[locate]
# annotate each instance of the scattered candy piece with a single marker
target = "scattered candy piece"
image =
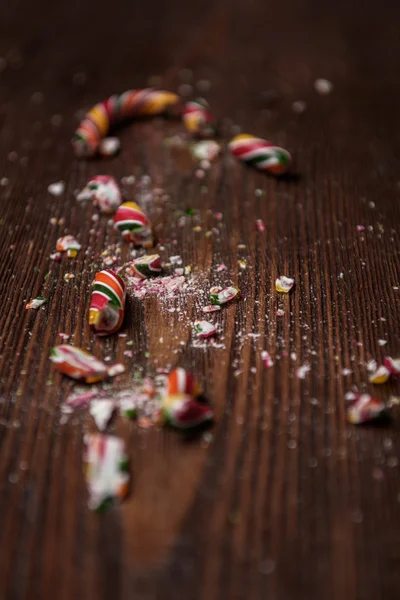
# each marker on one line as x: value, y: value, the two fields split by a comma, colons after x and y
x: 261, y: 154
x: 69, y: 245
x: 280, y: 312
x: 210, y: 308
x: 206, y: 150
x: 115, y: 370
x: 260, y: 225
x: 284, y: 284
x: 36, y: 302
x: 56, y: 189
x: 184, y: 412
x: 323, y: 86
x: 382, y: 342
x: 204, y: 329
x: 107, y: 305
x: 372, y: 366
x: 198, y: 119
x: 302, y: 371
x: 392, y: 365
x: 78, y: 363
x: 221, y: 267
x: 77, y: 399
x: 106, y: 470
x: 180, y: 381
x: 381, y: 375
x: 100, y: 118
x: 175, y: 260
x: 56, y: 256
x: 109, y: 146
x: 145, y: 266
x: 133, y: 224
x: 102, y: 410
x: 360, y: 228
x: 220, y: 296
x: 104, y: 191
x: 299, y: 107
x: 266, y: 359
x: 364, y: 408
x: 68, y: 276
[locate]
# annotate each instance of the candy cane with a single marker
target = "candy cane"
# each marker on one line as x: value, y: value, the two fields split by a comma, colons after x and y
x: 107, y: 306
x: 261, y: 154
x: 115, y: 109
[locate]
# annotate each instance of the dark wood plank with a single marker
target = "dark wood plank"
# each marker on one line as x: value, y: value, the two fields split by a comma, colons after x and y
x: 288, y: 500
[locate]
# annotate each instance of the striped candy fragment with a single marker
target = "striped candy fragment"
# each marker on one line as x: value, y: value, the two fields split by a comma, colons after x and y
x: 115, y: 109
x: 145, y: 266
x: 106, y: 470
x: 107, y: 305
x: 381, y: 375
x: 180, y: 381
x: 266, y: 359
x: 198, y: 118
x: 204, y: 329
x: 210, y: 308
x: 133, y: 225
x: 36, y: 302
x: 220, y: 296
x: 184, y: 412
x: 104, y: 191
x: 284, y: 284
x: 78, y: 363
x: 261, y: 154
x: 392, y: 365
x: 68, y: 244
x: 364, y: 408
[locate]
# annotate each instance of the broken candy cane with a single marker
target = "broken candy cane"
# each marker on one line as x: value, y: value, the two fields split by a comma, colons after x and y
x: 78, y: 363
x: 266, y: 359
x: 102, y: 410
x: 381, y: 375
x: 206, y: 150
x: 364, y: 408
x: 115, y: 109
x: 198, y: 118
x: 36, y: 302
x: 204, y: 329
x: 284, y: 284
x: 69, y: 245
x: 107, y: 306
x: 210, y: 308
x: 184, y: 412
x: 180, y: 381
x: 261, y: 154
x: 145, y: 266
x: 106, y: 470
x: 104, y: 191
x: 392, y: 365
x: 133, y: 225
x: 220, y: 296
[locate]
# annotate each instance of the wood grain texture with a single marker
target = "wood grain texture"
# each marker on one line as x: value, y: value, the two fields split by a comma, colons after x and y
x: 288, y: 501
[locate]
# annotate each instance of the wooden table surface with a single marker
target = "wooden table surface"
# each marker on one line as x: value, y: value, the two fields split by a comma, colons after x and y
x: 287, y: 501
